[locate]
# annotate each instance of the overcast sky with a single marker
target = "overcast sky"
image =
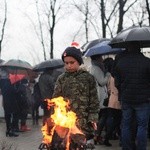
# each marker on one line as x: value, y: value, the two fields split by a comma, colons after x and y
x: 20, y: 39
x: 16, y: 31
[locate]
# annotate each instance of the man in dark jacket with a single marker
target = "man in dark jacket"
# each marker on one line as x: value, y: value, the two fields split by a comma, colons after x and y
x: 46, y: 84
x: 9, y: 102
x: 132, y: 78
x: 20, y: 88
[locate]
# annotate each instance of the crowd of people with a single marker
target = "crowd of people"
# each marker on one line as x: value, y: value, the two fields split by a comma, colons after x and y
x: 111, y: 98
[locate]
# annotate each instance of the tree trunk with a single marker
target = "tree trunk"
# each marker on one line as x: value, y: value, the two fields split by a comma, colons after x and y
x: 148, y: 11
x: 103, y: 19
x: 121, y: 14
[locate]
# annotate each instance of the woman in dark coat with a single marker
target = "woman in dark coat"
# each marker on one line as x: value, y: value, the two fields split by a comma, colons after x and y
x: 20, y: 89
x: 8, y: 102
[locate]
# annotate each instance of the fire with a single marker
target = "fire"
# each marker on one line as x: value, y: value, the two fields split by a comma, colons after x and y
x: 61, y: 116
x: 62, y: 121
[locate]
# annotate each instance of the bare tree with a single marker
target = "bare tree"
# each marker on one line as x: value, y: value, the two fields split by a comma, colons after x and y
x: 148, y: 10
x: 48, y: 16
x: 3, y: 25
x: 40, y: 35
x: 77, y: 33
x: 106, y: 16
x: 138, y: 14
x: 83, y: 8
x: 122, y: 11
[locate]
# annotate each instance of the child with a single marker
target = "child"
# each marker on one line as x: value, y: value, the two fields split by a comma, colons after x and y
x: 78, y: 86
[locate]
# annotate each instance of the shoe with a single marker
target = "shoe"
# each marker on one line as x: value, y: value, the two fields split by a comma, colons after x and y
x: 106, y: 143
x: 25, y: 128
x: 11, y: 134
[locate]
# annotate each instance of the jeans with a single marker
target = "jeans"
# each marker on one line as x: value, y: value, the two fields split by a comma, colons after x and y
x: 134, y: 126
x: 113, y: 122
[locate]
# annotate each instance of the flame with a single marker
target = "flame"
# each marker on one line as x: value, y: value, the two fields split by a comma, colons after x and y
x: 62, y: 117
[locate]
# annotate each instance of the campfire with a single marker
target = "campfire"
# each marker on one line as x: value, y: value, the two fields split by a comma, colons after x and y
x: 60, y: 131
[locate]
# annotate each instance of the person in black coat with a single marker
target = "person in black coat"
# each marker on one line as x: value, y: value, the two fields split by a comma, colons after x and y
x: 37, y: 102
x: 23, y: 106
x: 9, y: 104
x: 46, y: 86
x: 132, y: 78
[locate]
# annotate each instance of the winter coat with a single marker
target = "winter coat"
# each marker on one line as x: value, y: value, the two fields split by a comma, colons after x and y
x: 37, y: 98
x: 7, y: 92
x: 113, y: 95
x: 20, y: 90
x: 80, y: 88
x: 132, y: 78
x: 102, y: 80
x: 46, y: 84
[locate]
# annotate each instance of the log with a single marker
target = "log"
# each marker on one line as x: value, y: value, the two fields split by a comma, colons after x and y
x: 59, y: 139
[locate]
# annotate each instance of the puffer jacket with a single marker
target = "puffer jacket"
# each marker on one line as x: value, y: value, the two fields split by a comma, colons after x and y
x: 132, y: 78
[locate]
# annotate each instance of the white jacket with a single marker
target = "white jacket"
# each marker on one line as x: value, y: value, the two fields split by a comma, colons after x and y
x: 102, y: 81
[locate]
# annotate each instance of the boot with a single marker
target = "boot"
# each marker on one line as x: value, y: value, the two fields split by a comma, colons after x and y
x: 24, y: 128
x: 10, y: 133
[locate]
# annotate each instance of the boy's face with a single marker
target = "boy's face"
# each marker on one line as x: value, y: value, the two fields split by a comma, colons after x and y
x: 71, y: 64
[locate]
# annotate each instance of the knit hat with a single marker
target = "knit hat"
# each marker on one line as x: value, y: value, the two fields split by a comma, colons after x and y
x: 73, y: 52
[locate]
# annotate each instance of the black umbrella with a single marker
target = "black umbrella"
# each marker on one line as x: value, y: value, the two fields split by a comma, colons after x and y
x: 102, y: 48
x: 133, y: 35
x: 16, y: 63
x: 92, y: 43
x: 17, y: 66
x: 1, y: 61
x: 48, y: 64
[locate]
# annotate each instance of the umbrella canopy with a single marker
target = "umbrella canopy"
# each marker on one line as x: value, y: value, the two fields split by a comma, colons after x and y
x: 136, y: 35
x: 1, y: 61
x: 102, y: 48
x: 17, y: 66
x: 90, y: 44
x: 49, y: 64
x: 16, y: 63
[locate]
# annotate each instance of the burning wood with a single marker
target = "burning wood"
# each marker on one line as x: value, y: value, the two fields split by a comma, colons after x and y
x: 60, y: 132
x: 44, y: 146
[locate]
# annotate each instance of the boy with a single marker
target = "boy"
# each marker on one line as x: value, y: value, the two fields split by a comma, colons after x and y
x: 79, y: 86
